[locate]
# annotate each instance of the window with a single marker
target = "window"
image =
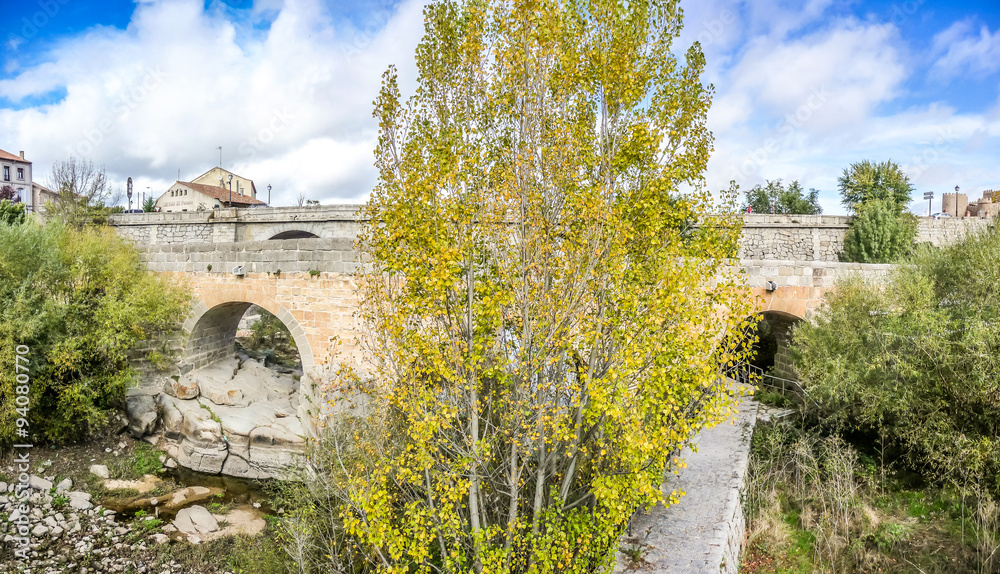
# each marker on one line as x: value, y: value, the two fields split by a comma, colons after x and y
x: 20, y: 173
x: 6, y: 173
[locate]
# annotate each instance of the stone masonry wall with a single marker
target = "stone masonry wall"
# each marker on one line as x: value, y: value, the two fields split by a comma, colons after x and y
x: 336, y: 255
x: 949, y: 229
x: 821, y: 237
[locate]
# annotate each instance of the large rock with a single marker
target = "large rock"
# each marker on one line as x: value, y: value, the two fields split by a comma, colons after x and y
x: 172, y: 414
x: 269, y: 451
x: 202, y: 447
x: 195, y: 520
x: 141, y: 411
x: 184, y: 387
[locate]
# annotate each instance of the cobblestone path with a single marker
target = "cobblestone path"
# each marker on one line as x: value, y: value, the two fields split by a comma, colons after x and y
x: 704, y: 531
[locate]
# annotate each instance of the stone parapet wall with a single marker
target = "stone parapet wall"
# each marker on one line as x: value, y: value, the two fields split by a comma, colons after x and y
x: 799, y: 237
x: 949, y: 229
x: 785, y: 237
x: 821, y: 237
x: 229, y: 225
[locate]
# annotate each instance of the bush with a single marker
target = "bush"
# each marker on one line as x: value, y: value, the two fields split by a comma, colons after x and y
x: 11, y: 213
x: 880, y: 233
x: 81, y: 300
x: 915, y: 361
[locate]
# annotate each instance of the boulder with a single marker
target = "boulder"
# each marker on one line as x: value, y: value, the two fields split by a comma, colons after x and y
x: 141, y: 411
x: 172, y: 414
x: 183, y: 388
x: 195, y: 520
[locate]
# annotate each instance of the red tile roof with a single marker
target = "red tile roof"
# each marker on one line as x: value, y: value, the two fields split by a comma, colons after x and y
x: 11, y: 157
x: 221, y: 194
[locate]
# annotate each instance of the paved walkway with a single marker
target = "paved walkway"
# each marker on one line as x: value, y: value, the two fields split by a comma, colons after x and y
x: 704, y: 531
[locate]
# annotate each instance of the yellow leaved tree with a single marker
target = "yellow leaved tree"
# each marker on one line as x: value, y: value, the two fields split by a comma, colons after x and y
x: 545, y: 299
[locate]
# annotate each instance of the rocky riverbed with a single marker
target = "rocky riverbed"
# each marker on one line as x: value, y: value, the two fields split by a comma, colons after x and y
x: 234, y: 417
x: 92, y: 523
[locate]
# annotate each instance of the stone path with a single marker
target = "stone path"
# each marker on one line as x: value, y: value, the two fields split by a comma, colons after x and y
x: 704, y: 531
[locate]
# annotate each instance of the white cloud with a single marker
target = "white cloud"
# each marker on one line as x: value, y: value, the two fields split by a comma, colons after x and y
x: 965, y: 51
x: 290, y: 105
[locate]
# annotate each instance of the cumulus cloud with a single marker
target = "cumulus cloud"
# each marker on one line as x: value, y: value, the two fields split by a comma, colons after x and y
x: 285, y: 90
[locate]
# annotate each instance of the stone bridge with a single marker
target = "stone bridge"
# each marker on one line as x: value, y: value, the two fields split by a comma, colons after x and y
x: 298, y: 263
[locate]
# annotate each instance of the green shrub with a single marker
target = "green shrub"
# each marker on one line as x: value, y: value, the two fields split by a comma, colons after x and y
x: 915, y: 361
x: 11, y: 213
x: 880, y: 233
x: 80, y: 300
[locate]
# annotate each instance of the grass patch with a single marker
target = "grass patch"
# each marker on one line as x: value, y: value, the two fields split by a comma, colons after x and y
x: 814, y: 504
x: 239, y: 554
x: 142, y: 460
x: 773, y: 399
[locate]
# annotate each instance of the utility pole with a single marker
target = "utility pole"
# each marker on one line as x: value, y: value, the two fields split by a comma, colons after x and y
x: 928, y: 195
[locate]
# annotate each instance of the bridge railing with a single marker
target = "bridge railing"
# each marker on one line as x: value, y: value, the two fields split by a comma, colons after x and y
x: 752, y: 375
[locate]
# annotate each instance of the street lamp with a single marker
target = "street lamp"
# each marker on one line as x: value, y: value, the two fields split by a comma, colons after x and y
x: 230, y: 190
x: 269, y: 195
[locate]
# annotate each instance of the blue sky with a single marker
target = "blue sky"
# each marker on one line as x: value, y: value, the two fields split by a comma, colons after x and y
x: 802, y: 89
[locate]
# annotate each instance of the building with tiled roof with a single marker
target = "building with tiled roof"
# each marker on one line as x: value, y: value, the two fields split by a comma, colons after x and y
x: 15, y: 172
x: 211, y: 190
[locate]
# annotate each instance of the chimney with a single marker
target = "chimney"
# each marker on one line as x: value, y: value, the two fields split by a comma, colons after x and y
x: 22, y: 155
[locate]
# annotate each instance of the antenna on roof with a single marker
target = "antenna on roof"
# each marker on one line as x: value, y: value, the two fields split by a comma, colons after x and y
x: 220, y: 156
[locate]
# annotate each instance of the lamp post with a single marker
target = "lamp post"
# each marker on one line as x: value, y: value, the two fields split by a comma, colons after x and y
x: 928, y: 195
x: 230, y: 190
x: 269, y: 195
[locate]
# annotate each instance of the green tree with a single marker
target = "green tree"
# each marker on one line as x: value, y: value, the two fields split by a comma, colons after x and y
x: 784, y: 200
x: 879, y: 233
x: 866, y: 181
x: 81, y: 300
x: 148, y: 204
x: 546, y: 332
x: 12, y: 213
x: 913, y: 359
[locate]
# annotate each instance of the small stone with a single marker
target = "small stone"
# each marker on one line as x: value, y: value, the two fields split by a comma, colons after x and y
x: 160, y: 538
x: 64, y: 485
x: 39, y: 483
x: 100, y: 470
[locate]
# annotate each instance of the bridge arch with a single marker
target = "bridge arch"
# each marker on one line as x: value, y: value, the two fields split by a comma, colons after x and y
x: 775, y: 333
x: 210, y: 330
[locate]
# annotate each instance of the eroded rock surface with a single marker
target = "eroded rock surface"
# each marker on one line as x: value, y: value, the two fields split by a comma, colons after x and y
x: 232, y: 417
